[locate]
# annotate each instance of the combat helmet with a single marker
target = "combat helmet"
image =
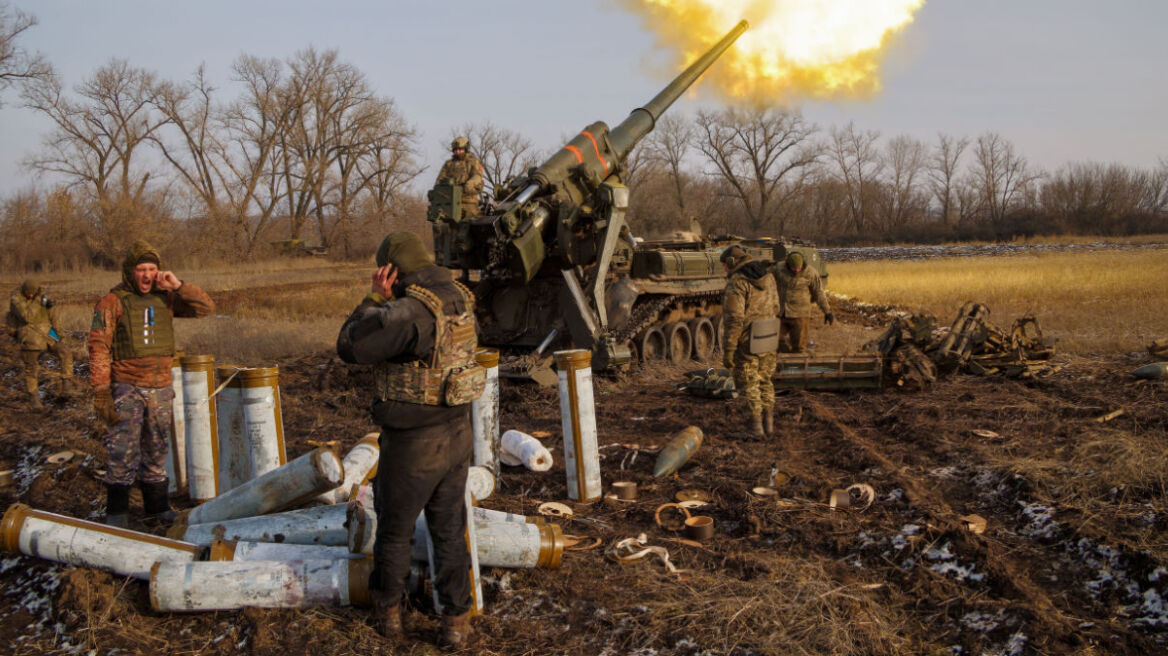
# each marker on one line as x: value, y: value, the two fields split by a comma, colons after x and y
x: 460, y: 142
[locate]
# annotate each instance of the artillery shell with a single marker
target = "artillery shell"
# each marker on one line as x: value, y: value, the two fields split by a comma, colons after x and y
x: 679, y: 450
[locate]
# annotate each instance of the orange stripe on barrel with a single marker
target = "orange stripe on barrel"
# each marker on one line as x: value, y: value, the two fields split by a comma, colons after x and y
x: 576, y: 152
x: 596, y: 147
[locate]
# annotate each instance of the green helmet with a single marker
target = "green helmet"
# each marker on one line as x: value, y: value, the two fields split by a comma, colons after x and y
x: 794, y: 261
x: 460, y: 142
x: 30, y: 287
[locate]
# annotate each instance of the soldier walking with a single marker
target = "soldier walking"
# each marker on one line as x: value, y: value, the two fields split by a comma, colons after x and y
x: 131, y: 346
x: 464, y: 170
x: 750, y: 334
x: 33, y: 320
x: 417, y: 328
x: 798, y: 284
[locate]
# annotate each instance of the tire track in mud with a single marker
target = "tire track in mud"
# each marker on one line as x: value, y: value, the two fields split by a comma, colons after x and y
x: 931, y: 501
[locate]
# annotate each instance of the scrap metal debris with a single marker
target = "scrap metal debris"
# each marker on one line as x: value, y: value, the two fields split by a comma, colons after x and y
x: 630, y: 550
x: 916, y: 351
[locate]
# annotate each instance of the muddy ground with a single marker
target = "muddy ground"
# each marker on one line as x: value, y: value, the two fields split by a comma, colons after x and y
x: 1072, y: 562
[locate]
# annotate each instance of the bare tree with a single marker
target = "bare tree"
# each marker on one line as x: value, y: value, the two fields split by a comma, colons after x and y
x: 904, y: 159
x: 503, y: 153
x: 95, y: 140
x: 16, y: 63
x: 858, y: 165
x: 754, y: 151
x: 1001, y: 176
x: 667, y: 146
x: 943, y: 167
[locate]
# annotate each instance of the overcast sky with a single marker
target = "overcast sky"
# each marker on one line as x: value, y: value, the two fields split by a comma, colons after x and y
x: 1065, y: 80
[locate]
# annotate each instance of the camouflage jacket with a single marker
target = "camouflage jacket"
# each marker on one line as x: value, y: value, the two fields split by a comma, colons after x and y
x: 796, y: 291
x: 402, y: 330
x: 31, y: 321
x: 466, y: 172
x: 152, y: 371
x: 750, y: 295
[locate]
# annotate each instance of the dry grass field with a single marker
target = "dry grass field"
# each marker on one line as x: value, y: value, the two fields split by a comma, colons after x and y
x: 1093, y: 302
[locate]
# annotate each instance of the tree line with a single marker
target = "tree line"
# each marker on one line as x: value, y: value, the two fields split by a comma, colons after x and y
x: 305, y: 151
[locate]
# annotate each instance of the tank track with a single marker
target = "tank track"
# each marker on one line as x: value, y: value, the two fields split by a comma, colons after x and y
x: 645, y: 314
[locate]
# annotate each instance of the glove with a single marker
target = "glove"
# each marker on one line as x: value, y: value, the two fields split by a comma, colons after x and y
x: 103, y: 406
x: 829, y: 318
x: 47, y: 302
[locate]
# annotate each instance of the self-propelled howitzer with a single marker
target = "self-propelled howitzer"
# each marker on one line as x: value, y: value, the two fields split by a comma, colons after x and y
x: 552, y: 237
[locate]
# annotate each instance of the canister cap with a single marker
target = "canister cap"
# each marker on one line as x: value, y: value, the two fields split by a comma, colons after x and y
x: 574, y: 359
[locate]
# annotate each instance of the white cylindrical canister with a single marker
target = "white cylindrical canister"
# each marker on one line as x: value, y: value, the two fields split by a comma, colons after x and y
x: 176, y: 460
x: 484, y: 413
x: 234, y: 468
x: 198, y: 382
x: 581, y: 451
x: 360, y: 465
x: 227, y: 550
x: 483, y: 515
x: 230, y: 585
x: 519, y: 448
x: 286, y: 487
x: 361, y: 520
x: 88, y: 544
x: 263, y: 420
x: 480, y: 482
x: 318, y: 525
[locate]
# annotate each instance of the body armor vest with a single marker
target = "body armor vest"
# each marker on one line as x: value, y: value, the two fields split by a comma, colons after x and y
x: 146, y: 327
x: 452, y: 377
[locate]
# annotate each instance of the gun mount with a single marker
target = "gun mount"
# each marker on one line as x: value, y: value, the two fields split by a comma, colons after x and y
x: 554, y: 253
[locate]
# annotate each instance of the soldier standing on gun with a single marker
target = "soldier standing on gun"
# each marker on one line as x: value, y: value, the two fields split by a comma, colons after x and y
x: 34, y: 324
x: 464, y: 170
x: 417, y: 328
x: 131, y: 348
x: 798, y: 284
x: 750, y: 334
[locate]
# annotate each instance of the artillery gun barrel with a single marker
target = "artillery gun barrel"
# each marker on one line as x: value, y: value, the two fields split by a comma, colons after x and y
x: 641, y: 121
x: 600, y: 150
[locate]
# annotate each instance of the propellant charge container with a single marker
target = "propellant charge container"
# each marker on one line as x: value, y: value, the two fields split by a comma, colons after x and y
x: 176, y: 459
x: 484, y: 413
x: 502, y: 539
x: 578, y: 413
x: 324, y: 525
x: 230, y: 585
x: 360, y: 465
x: 519, y: 448
x: 678, y: 451
x: 286, y: 487
x: 246, y: 550
x: 480, y: 482
x: 88, y: 544
x: 234, y: 468
x: 198, y: 383
x: 251, y: 426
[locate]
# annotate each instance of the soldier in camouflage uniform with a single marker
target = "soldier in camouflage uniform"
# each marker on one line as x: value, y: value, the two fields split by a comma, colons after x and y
x: 131, y: 344
x: 798, y: 284
x: 463, y: 169
x: 34, y: 324
x: 417, y: 328
x: 750, y: 295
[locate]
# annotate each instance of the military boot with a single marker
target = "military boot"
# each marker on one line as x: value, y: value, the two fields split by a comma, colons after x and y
x: 387, y: 617
x: 156, y: 501
x: 456, y: 631
x: 117, y: 505
x: 756, y: 428
x: 34, y: 397
x: 768, y: 421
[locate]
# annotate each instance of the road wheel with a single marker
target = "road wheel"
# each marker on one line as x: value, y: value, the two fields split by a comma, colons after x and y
x: 718, y: 324
x: 679, y: 344
x: 651, y: 344
x: 701, y: 330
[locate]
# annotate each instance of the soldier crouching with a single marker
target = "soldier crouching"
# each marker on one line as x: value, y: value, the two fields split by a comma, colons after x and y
x: 417, y: 328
